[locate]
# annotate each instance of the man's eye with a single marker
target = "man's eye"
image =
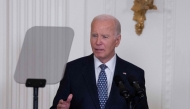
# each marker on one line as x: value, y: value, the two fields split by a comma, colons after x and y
x: 105, y: 36
x: 94, y: 35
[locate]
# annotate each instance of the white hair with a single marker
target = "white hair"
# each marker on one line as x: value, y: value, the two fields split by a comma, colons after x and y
x: 109, y: 17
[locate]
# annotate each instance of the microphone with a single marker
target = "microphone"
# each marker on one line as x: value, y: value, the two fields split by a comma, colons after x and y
x: 133, y: 81
x: 119, y: 82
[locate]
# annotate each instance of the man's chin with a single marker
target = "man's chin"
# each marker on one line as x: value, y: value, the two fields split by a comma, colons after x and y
x: 99, y: 56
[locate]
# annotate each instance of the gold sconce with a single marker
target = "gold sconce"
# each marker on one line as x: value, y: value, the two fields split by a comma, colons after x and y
x: 140, y: 7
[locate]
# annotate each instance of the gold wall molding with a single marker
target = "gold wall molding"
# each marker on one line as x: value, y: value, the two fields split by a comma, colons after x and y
x: 140, y: 8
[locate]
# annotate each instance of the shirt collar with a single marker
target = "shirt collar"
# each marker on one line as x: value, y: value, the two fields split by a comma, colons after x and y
x: 110, y: 64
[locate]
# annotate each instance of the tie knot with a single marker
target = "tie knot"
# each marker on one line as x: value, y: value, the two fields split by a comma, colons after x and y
x: 103, y: 66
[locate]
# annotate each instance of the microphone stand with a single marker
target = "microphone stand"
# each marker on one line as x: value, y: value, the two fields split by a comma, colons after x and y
x: 141, y: 103
x: 127, y: 97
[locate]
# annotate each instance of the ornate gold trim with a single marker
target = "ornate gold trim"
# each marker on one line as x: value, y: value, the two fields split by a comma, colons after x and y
x: 140, y: 7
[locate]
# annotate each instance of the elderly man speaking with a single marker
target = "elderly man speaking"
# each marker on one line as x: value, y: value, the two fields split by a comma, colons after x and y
x: 88, y: 81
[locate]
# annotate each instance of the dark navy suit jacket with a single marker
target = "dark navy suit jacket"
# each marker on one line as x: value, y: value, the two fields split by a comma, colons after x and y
x: 79, y: 80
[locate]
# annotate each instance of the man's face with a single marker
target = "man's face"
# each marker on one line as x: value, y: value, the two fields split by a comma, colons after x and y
x: 104, y: 39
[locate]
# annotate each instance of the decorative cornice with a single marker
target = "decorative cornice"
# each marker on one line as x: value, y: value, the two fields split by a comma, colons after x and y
x: 168, y: 53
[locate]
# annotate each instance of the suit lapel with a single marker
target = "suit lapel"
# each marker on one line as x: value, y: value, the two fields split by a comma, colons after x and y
x: 88, y: 72
x: 114, y: 89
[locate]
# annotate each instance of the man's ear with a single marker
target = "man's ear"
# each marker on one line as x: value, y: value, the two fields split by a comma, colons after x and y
x: 118, y: 39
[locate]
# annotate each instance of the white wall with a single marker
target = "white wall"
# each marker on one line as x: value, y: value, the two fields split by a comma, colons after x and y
x: 163, y: 49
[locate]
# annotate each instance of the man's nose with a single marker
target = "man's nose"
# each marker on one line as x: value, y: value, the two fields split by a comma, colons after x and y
x: 98, y: 40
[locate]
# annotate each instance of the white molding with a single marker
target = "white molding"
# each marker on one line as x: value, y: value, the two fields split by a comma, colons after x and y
x: 3, y: 57
x: 189, y: 79
x: 168, y: 53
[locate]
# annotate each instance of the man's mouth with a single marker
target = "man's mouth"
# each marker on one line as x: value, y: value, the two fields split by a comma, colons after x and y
x: 99, y: 50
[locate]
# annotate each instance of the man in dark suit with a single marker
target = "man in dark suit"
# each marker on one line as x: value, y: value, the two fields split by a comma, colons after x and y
x: 88, y: 81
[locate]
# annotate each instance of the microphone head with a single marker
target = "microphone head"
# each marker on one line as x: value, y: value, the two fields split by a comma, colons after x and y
x: 120, y: 83
x: 131, y: 79
x: 118, y: 79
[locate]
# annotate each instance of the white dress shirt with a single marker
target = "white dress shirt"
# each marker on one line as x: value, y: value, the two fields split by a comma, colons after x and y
x: 109, y: 70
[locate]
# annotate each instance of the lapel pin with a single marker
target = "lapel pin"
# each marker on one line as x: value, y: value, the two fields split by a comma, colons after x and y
x: 124, y: 73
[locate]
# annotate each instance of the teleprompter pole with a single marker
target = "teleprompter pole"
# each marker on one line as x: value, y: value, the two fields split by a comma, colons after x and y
x: 35, y: 83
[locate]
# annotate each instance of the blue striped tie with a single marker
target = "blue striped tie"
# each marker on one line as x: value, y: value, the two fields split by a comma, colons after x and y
x: 102, y: 87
